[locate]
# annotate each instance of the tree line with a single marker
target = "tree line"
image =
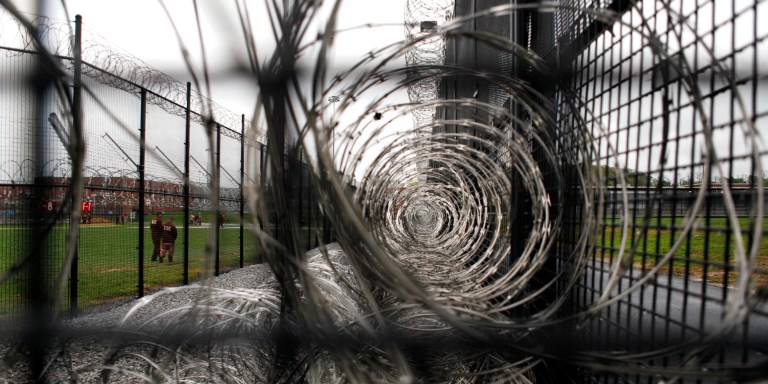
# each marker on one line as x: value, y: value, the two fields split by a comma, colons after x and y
x: 636, y: 178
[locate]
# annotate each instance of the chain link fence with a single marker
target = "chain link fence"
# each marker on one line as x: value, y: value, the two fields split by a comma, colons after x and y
x: 141, y: 148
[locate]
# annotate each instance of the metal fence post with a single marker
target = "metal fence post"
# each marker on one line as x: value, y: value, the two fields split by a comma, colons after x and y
x: 77, y: 117
x: 218, y: 190
x: 262, y: 176
x: 36, y: 325
x: 301, y: 196
x: 242, y: 184
x: 142, y: 202
x: 310, y: 206
x: 186, y: 185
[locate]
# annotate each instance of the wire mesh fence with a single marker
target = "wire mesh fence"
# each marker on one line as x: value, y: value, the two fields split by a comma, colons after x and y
x: 673, y: 95
x: 578, y: 197
x: 138, y: 158
x: 644, y: 119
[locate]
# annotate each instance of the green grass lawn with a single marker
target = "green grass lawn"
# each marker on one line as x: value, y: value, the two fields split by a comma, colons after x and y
x: 707, y: 253
x: 108, y: 260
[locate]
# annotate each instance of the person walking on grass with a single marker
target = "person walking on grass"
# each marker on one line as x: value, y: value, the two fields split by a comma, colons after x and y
x: 168, y: 240
x: 156, y: 229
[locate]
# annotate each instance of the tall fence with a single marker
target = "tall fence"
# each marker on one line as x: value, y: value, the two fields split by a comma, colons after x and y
x: 589, y: 206
x: 668, y: 101
x: 145, y: 154
x: 645, y: 121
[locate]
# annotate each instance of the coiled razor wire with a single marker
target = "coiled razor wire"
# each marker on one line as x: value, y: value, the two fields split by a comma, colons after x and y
x: 422, y: 285
x: 121, y: 70
x: 426, y: 49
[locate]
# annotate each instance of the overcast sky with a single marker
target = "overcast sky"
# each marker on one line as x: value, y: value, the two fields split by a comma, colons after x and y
x: 142, y: 28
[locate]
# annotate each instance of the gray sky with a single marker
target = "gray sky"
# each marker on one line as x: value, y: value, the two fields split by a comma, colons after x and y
x: 142, y: 28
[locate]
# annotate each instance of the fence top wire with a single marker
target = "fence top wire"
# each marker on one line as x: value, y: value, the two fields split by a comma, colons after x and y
x: 110, y: 66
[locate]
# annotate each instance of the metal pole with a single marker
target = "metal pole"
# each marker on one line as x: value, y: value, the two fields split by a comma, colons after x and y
x: 210, y: 177
x: 120, y: 148
x: 239, y: 183
x: 77, y: 113
x: 143, y: 137
x: 310, y: 208
x: 186, y: 186
x: 53, y: 118
x: 262, y: 176
x: 242, y: 180
x: 170, y: 161
x: 35, y: 326
x: 218, y: 206
x: 301, y: 194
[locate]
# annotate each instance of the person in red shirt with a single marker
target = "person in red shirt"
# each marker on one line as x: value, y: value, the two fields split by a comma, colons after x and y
x: 156, y: 228
x: 168, y: 240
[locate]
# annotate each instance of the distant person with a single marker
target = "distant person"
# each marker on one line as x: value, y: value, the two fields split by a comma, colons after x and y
x: 199, y: 219
x: 168, y: 240
x: 221, y: 220
x: 156, y: 228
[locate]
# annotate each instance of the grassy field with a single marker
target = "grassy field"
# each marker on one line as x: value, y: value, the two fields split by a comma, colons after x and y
x: 109, y: 265
x: 109, y: 260
x: 707, y: 254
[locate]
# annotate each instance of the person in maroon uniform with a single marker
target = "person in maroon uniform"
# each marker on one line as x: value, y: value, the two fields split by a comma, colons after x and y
x: 168, y: 240
x: 156, y: 228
